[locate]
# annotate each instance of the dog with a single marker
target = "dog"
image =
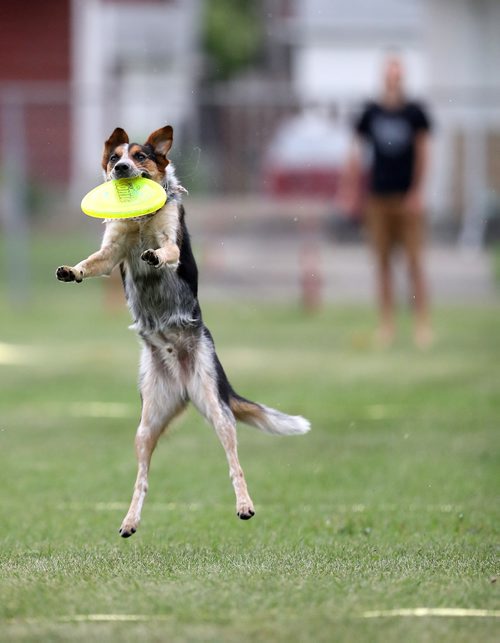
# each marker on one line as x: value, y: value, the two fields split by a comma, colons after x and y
x: 178, y: 360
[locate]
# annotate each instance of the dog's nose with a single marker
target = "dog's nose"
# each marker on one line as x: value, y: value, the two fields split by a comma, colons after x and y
x: 121, y: 169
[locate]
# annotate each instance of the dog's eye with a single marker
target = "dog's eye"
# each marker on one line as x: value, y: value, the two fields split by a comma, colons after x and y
x: 140, y: 156
x: 113, y: 158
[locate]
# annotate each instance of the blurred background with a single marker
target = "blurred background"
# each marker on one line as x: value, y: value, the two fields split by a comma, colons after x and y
x: 262, y: 97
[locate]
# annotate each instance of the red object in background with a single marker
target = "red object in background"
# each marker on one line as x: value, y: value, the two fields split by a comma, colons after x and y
x: 320, y: 182
x: 306, y: 156
x: 35, y: 53
x: 316, y: 182
x: 35, y: 41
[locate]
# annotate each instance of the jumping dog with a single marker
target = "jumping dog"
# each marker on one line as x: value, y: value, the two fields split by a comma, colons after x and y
x: 178, y: 359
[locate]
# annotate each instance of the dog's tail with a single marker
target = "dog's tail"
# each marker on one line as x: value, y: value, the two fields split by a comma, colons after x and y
x: 267, y: 419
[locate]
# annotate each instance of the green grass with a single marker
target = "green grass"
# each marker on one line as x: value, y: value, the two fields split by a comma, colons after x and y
x: 495, y: 253
x: 390, y: 502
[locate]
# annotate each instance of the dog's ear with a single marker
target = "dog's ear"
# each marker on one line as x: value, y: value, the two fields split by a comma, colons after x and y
x: 161, y: 140
x: 118, y: 137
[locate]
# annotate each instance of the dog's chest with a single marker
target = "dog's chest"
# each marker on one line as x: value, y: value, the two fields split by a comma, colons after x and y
x: 157, y: 297
x: 141, y: 236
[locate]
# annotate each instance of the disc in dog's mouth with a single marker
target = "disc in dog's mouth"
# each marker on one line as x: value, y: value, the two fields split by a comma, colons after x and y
x: 124, y: 198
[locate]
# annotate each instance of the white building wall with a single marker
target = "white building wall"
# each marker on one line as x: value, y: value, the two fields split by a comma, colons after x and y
x: 134, y: 66
x: 346, y: 73
x: 464, y: 84
x: 340, y: 45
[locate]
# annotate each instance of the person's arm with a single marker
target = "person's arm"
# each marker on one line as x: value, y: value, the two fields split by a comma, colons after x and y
x: 423, y: 127
x: 422, y: 145
x: 349, y: 189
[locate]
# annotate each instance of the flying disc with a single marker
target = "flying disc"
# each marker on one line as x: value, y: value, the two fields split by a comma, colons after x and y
x: 124, y: 198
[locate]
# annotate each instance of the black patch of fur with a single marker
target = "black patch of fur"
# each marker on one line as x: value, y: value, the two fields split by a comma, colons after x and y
x: 149, y: 150
x: 187, y: 270
x: 123, y: 272
x: 223, y: 386
x: 145, y: 149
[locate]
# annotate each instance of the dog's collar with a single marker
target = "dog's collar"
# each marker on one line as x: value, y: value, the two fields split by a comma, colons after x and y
x: 174, y: 193
x: 142, y: 217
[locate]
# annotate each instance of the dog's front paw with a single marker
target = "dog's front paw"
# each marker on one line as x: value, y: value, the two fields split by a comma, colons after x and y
x: 151, y: 258
x: 66, y: 273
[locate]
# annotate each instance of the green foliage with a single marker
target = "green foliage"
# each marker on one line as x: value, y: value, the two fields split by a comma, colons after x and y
x: 390, y: 502
x: 232, y: 35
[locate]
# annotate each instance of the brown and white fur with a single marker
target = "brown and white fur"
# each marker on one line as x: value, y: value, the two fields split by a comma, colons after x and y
x: 178, y: 360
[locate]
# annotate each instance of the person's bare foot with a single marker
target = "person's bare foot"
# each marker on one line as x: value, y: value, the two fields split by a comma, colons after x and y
x: 423, y: 337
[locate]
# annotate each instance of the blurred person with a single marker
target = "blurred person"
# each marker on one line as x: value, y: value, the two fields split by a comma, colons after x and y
x: 397, y: 131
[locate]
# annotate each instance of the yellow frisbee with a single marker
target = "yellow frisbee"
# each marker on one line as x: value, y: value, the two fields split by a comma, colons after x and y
x: 124, y: 198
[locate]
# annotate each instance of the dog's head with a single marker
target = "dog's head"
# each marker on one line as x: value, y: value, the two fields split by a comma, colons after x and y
x: 122, y: 159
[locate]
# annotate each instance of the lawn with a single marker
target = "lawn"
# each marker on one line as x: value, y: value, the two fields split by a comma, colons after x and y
x: 390, y: 503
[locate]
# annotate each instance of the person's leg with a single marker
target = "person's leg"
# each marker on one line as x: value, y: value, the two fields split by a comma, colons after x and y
x: 413, y: 241
x: 379, y: 228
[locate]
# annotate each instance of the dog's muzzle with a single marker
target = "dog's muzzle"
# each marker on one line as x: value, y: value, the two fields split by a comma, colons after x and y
x: 123, y: 170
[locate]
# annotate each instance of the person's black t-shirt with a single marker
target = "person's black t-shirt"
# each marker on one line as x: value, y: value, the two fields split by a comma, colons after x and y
x: 392, y: 133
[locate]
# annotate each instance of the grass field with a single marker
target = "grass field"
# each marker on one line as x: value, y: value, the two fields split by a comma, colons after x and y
x: 391, y: 502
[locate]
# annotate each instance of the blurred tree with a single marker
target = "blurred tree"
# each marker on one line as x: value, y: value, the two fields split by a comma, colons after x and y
x: 232, y: 36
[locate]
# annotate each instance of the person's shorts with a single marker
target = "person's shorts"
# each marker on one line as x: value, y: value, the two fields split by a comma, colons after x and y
x: 391, y: 225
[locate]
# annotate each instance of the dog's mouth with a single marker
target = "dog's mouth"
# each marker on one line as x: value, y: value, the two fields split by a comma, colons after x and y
x: 132, y: 173
x: 129, y: 173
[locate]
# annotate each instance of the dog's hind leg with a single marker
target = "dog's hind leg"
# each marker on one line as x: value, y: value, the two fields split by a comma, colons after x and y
x: 204, y: 394
x: 162, y: 400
